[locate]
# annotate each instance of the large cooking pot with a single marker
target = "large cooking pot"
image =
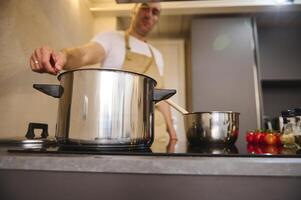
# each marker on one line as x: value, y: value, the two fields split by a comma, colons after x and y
x: 105, y: 108
x: 209, y: 128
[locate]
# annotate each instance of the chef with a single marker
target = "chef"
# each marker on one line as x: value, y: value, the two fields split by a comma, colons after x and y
x: 127, y: 50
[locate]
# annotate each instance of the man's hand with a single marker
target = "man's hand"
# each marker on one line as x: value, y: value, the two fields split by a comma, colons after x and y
x: 46, y: 60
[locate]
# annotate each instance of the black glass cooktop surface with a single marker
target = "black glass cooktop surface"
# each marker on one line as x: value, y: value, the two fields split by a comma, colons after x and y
x: 173, y: 148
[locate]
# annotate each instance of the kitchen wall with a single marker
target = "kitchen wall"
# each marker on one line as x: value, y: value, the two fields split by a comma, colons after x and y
x: 104, y: 23
x: 25, y: 25
x: 223, y: 68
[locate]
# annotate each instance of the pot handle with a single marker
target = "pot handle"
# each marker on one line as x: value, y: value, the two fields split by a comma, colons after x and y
x: 161, y: 94
x: 32, y: 126
x: 51, y: 90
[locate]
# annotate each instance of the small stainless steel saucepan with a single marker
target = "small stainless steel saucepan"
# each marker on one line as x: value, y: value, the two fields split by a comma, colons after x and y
x: 214, y: 127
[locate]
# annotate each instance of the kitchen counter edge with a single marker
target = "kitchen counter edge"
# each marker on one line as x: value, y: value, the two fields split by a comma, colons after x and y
x: 163, y: 165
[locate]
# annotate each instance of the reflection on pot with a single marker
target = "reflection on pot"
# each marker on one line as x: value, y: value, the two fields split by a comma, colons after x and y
x: 213, y: 149
x: 171, y: 146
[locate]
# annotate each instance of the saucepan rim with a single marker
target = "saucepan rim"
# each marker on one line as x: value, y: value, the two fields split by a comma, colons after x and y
x: 107, y: 69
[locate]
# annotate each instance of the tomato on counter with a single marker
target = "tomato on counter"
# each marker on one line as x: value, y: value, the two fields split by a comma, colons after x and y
x: 250, y: 137
x: 259, y: 137
x: 270, y: 139
x: 278, y: 139
x: 263, y: 137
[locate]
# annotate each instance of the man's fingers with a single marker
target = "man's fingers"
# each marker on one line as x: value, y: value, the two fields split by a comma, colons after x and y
x: 58, y: 60
x: 37, y: 60
x: 46, y: 60
x: 46, y: 55
x: 34, y: 63
x: 37, y: 55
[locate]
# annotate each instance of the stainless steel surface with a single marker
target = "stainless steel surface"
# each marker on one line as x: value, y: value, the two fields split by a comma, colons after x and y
x: 212, y: 127
x: 209, y: 127
x: 32, y: 139
x: 105, y: 107
x: 23, y: 140
x: 25, y: 143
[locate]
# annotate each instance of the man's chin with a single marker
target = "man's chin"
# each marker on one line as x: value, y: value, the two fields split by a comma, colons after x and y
x: 144, y: 32
x: 145, y: 29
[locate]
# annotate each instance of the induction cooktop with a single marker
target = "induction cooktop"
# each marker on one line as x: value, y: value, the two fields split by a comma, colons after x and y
x: 173, y: 148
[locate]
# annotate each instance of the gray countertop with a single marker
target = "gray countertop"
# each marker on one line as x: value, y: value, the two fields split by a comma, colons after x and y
x: 152, y: 164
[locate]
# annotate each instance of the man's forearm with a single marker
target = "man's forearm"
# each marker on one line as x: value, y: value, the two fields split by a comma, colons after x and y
x: 164, y: 108
x: 88, y: 54
x: 73, y: 58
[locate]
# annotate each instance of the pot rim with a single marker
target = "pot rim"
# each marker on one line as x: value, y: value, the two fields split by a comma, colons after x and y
x: 107, y: 69
x: 211, y: 112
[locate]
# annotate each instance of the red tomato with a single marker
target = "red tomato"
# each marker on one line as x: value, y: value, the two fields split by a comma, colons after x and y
x: 259, y: 137
x: 270, y: 139
x: 250, y: 136
x: 278, y: 139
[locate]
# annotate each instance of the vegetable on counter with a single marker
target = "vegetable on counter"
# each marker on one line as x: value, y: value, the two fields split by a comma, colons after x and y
x: 287, y: 139
x: 269, y: 142
x: 263, y: 137
x: 250, y: 137
x: 271, y: 139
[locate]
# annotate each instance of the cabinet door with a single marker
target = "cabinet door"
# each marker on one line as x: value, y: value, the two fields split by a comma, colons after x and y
x: 224, y: 75
x: 279, y: 47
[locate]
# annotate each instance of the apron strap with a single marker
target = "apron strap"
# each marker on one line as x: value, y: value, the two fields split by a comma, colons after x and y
x: 127, y: 44
x: 127, y: 40
x: 128, y: 48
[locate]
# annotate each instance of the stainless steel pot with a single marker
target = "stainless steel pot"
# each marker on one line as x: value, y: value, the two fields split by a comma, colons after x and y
x: 212, y: 128
x: 105, y: 108
x: 209, y: 128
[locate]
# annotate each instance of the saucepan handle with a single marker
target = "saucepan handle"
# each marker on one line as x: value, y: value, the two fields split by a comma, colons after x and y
x: 161, y: 94
x: 49, y: 89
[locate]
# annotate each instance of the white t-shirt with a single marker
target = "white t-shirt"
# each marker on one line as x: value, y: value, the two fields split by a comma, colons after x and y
x: 114, y: 44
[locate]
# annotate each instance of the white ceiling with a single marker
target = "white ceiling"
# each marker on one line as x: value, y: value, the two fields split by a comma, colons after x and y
x: 176, y: 16
x: 110, y: 7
